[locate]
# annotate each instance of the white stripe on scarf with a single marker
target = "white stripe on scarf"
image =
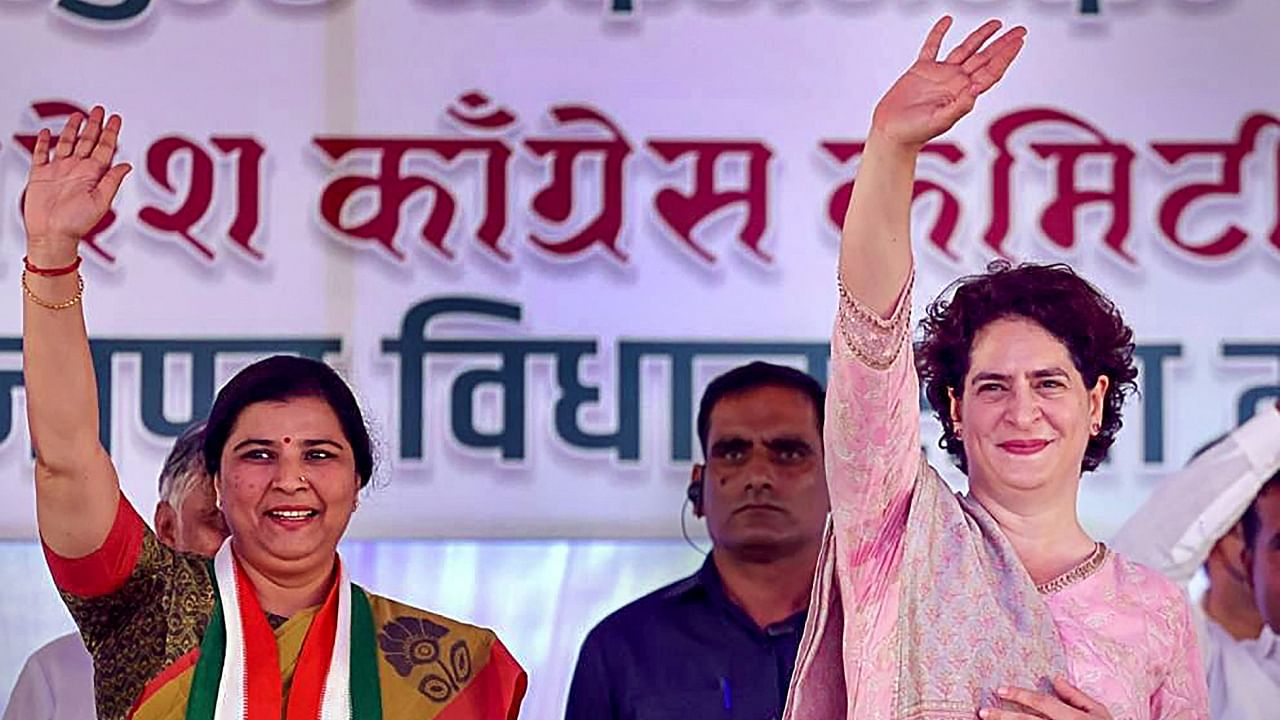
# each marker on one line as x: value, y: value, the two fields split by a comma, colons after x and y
x: 232, y: 703
x: 335, y: 703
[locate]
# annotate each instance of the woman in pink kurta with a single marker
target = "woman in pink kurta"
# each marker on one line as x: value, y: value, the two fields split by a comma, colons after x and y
x: 930, y: 604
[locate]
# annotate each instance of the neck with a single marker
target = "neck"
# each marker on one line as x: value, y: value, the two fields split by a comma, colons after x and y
x: 768, y: 591
x: 1235, y: 614
x: 1041, y: 525
x: 284, y: 594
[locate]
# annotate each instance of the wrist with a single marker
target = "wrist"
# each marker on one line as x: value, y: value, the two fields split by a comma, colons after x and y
x: 47, y: 252
x: 883, y: 144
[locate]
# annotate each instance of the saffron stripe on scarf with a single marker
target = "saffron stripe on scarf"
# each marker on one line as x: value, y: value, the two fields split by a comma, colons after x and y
x: 263, y: 686
x: 314, y: 660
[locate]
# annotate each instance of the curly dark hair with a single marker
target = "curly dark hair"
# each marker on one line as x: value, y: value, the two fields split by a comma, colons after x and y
x: 1052, y: 296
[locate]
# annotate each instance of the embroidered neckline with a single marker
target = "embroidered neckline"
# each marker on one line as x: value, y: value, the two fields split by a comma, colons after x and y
x: 1083, y: 570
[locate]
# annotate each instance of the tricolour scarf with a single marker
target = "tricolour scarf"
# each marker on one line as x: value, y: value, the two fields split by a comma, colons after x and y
x: 238, y: 674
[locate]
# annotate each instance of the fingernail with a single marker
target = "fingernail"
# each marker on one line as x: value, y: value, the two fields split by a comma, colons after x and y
x: 984, y: 713
x: 1002, y: 691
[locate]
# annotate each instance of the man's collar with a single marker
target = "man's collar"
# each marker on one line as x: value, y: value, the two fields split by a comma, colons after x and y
x: 707, y: 580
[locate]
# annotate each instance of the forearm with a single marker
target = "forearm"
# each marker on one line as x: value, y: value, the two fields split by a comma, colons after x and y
x: 62, y: 394
x: 76, y: 487
x: 875, y: 244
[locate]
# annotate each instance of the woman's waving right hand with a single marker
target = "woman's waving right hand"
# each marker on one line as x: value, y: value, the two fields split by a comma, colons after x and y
x: 71, y: 188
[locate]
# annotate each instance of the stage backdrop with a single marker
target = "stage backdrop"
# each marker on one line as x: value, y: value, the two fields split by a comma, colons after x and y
x: 530, y: 232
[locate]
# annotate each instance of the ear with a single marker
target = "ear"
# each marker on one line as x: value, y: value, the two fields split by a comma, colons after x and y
x: 1097, y: 400
x: 216, y: 481
x: 696, y: 481
x: 953, y: 407
x: 166, y: 520
x: 1246, y: 557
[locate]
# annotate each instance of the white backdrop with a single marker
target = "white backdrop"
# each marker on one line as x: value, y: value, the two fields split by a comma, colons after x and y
x: 567, y: 150
x: 582, y: 204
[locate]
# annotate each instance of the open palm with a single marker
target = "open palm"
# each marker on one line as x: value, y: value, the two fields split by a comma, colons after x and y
x: 933, y: 94
x: 71, y: 189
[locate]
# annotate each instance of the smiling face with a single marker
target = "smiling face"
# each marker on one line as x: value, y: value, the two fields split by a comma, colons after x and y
x: 288, y: 484
x: 1025, y: 414
x: 764, y: 489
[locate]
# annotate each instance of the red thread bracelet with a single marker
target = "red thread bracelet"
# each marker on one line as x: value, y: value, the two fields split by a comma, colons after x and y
x: 51, y: 272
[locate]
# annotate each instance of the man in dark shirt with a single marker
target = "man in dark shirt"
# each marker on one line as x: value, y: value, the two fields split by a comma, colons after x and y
x: 721, y: 644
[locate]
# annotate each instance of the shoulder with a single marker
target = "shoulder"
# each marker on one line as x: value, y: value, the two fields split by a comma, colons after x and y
x: 64, y: 655
x: 400, y: 626
x: 638, y: 617
x: 442, y: 660
x: 1148, y: 584
x: 66, y: 650
x: 62, y: 666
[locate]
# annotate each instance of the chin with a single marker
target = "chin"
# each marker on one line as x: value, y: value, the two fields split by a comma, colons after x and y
x: 293, y: 549
x: 1020, y: 475
x: 288, y: 553
x: 766, y: 545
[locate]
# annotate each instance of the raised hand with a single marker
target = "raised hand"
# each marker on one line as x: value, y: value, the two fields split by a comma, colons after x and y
x: 933, y: 94
x: 70, y: 189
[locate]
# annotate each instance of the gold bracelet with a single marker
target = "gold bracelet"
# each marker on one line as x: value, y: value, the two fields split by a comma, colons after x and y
x: 26, y: 289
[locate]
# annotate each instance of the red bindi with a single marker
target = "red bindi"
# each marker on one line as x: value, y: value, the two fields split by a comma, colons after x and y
x: 287, y: 439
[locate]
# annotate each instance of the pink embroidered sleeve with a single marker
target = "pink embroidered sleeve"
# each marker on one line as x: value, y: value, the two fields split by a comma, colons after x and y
x: 1184, y: 693
x: 872, y: 438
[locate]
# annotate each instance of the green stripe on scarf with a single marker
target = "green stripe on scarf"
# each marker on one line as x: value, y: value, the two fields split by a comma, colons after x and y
x: 366, y: 692
x: 208, y: 674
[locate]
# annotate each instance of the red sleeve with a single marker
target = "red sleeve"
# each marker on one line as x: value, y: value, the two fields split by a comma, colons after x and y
x: 104, y: 570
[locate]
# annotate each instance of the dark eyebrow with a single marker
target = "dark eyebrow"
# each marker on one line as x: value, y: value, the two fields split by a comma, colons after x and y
x: 1050, y: 372
x: 730, y: 443
x: 788, y: 442
x: 989, y: 376
x: 260, y: 442
x: 1041, y: 373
